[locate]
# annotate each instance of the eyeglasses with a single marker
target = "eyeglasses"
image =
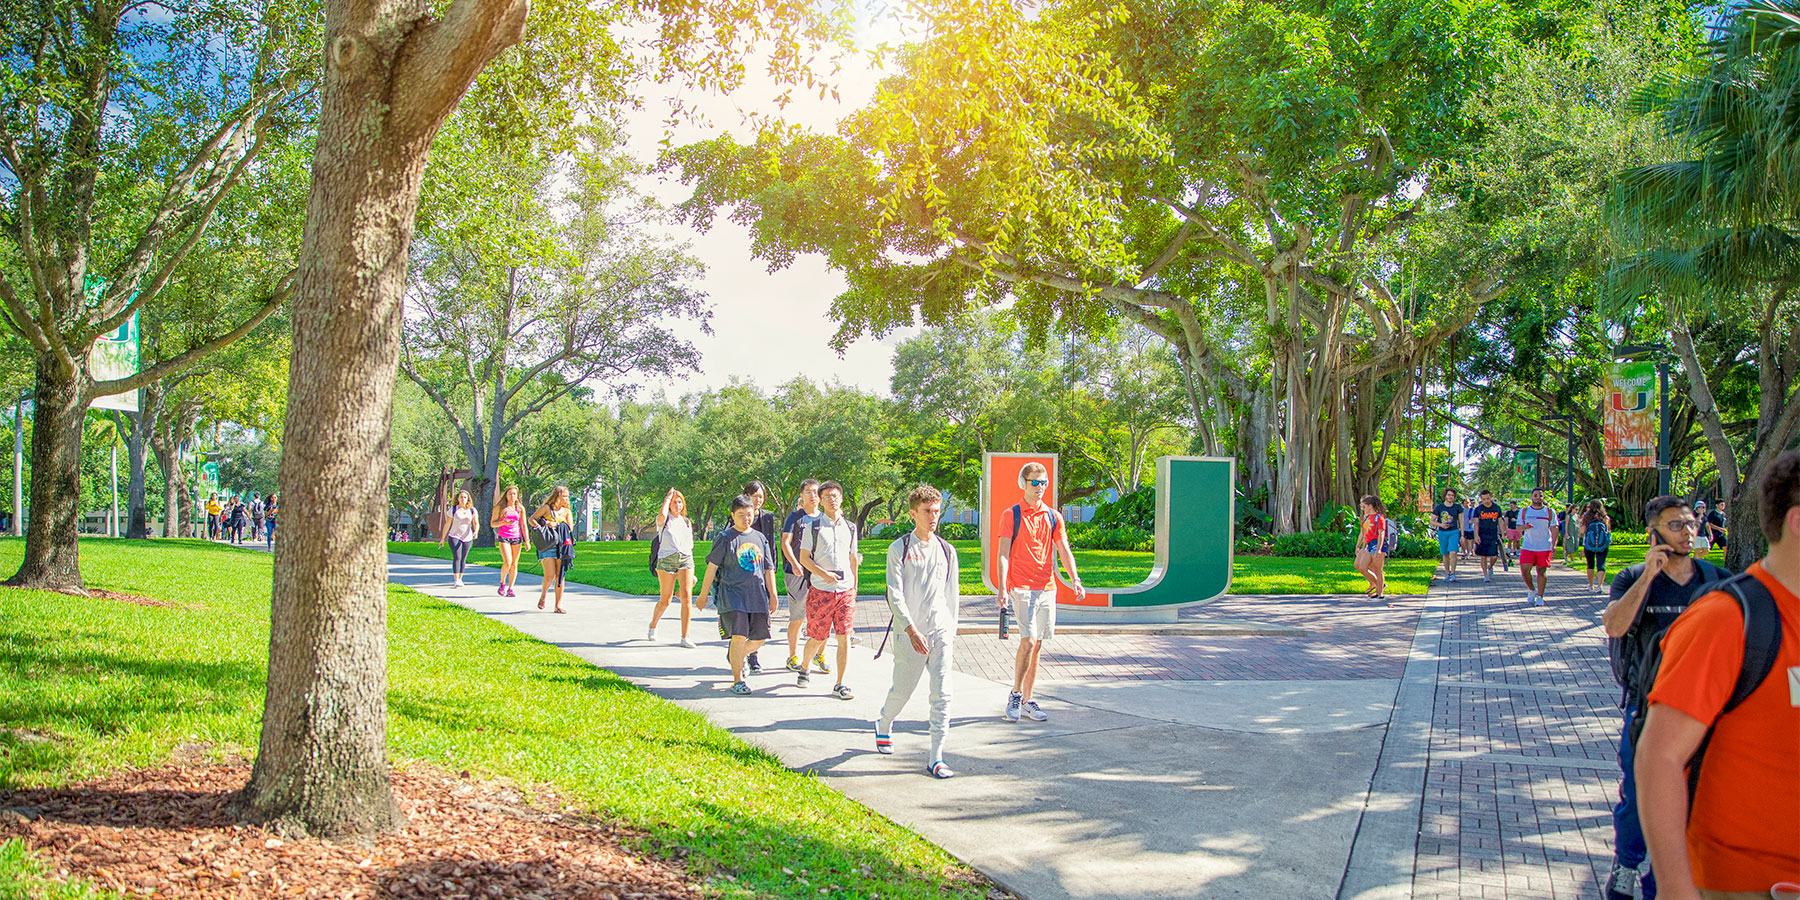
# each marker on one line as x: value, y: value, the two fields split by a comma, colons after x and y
x: 1037, y: 482
x: 1682, y: 525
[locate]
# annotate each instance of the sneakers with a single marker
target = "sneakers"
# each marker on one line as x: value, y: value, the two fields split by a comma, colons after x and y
x: 1014, y: 705
x: 753, y: 664
x: 1624, y: 884
x: 819, y: 660
x: 842, y: 692
x: 1034, y: 714
x: 1451, y: 577
x: 939, y: 770
x: 794, y: 665
x: 740, y: 688
x: 650, y: 635
x: 688, y: 644
x: 803, y: 679
x: 1486, y: 579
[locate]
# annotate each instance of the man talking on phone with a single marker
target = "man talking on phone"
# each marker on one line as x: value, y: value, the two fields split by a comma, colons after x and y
x: 1646, y: 598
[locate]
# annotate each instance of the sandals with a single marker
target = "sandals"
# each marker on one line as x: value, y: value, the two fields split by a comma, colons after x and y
x: 884, y: 743
x: 939, y: 770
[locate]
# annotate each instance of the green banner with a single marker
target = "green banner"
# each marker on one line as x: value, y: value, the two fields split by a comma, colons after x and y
x: 115, y: 355
x: 1525, y: 470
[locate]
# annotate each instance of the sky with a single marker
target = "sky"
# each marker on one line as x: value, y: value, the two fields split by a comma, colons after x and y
x: 768, y: 327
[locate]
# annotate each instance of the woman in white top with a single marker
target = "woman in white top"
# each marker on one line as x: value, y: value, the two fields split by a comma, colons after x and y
x: 674, y: 562
x: 459, y: 532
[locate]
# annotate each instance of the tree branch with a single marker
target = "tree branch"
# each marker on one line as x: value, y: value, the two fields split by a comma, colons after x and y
x: 441, y: 58
x: 170, y: 366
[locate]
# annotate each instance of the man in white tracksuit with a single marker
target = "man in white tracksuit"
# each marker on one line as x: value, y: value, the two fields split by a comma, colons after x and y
x: 924, y: 593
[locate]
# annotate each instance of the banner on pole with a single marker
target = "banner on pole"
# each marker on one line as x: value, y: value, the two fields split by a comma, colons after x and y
x: 1525, y: 470
x: 1630, y: 416
x: 209, y: 478
x: 115, y: 354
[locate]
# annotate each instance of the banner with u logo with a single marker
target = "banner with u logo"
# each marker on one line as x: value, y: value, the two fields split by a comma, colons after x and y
x: 1630, y: 416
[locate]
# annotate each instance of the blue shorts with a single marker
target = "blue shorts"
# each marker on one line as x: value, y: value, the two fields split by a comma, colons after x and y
x: 1372, y: 546
x: 1448, y: 542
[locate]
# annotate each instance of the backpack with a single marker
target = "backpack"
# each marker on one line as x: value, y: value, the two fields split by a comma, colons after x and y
x: 906, y: 546
x: 1597, y: 537
x: 543, y: 537
x: 655, y: 545
x: 1762, y: 644
x: 1625, y: 664
x: 1390, y: 536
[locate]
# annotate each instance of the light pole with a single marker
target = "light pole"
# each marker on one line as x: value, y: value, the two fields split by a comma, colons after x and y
x: 18, y: 516
x: 1568, y: 419
x: 1629, y: 351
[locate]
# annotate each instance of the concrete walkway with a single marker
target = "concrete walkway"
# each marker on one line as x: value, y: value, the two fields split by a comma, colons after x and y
x: 1182, y: 766
x: 1160, y: 789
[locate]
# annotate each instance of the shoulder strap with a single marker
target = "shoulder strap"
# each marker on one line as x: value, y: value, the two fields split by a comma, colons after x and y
x: 1018, y: 517
x: 1762, y: 635
x: 1710, y: 573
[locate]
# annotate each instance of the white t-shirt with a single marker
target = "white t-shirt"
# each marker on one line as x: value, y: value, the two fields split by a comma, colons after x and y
x: 677, y: 536
x: 462, y: 524
x: 831, y: 544
x: 1539, y: 526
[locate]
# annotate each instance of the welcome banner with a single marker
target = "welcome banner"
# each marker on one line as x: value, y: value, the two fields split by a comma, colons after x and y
x: 1630, y: 416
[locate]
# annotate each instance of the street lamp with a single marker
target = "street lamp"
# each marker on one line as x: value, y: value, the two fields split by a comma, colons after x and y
x: 1568, y: 419
x: 1628, y: 351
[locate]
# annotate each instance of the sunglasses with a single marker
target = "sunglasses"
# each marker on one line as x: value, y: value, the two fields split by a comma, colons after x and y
x: 1037, y: 482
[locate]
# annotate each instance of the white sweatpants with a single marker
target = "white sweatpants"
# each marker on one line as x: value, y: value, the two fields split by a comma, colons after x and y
x: 909, y: 664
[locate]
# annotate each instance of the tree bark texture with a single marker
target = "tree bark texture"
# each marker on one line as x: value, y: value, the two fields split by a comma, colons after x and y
x: 52, y: 538
x: 392, y: 74
x: 136, y: 450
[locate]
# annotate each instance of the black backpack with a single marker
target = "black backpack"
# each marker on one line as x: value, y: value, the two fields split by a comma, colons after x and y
x: 1762, y: 644
x: 1620, y: 650
x: 655, y: 545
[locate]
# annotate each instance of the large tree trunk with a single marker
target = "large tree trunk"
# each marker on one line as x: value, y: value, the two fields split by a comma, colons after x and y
x: 52, y: 538
x: 391, y: 77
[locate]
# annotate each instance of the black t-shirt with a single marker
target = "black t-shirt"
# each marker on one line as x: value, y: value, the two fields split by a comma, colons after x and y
x: 1714, y: 517
x: 1487, y: 522
x: 1664, y: 602
x: 1447, y: 516
x: 796, y: 522
x: 1512, y: 518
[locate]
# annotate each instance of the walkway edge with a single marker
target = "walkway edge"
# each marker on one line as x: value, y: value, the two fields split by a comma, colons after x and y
x: 1384, y: 853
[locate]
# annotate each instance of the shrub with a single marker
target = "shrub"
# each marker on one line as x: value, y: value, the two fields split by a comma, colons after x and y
x: 1134, y: 510
x: 958, y: 531
x: 1095, y: 537
x: 1332, y: 544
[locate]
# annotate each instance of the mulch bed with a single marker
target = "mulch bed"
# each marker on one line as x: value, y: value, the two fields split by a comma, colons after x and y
x: 167, y: 832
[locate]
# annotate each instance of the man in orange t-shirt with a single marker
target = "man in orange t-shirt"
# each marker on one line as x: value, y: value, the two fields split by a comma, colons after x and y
x: 1027, y: 563
x: 1742, y: 836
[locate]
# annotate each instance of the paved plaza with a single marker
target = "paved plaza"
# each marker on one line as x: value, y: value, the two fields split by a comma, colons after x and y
x: 1455, y: 745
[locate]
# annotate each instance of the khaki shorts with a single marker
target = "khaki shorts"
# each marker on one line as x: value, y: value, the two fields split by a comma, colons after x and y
x: 1035, y: 613
x: 675, y: 562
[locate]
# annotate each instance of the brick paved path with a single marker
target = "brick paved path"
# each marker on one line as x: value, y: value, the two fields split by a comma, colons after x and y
x: 1523, y: 761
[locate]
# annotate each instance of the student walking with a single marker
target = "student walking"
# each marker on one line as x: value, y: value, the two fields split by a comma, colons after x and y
x: 1371, y: 547
x: 805, y: 513
x: 762, y: 522
x: 256, y: 516
x: 1488, y: 519
x: 741, y: 560
x: 674, y: 563
x: 1727, y: 824
x: 1596, y: 539
x: 508, y: 522
x: 1448, y: 517
x: 829, y: 559
x: 1713, y: 525
x: 214, y: 530
x: 1539, y: 527
x: 1031, y: 536
x: 924, y: 595
x: 271, y: 510
x: 1704, y: 540
x: 1513, y: 534
x: 554, y: 559
x: 459, y: 533
x: 238, y: 519
x: 1646, y: 600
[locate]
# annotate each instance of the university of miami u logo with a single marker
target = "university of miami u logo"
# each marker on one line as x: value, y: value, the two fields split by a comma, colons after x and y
x: 1641, y: 400
x: 1195, y: 511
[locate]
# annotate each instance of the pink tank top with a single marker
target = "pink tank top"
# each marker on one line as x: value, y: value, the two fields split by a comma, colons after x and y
x: 509, y: 526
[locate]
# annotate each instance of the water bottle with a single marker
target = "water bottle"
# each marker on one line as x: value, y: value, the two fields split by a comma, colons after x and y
x: 1005, y: 627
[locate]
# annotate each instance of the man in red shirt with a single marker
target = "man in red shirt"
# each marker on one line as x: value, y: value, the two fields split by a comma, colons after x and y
x: 1738, y: 835
x: 1031, y: 534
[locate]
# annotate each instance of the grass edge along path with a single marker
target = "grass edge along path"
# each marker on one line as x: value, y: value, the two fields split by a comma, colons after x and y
x: 113, y: 684
x: 624, y: 566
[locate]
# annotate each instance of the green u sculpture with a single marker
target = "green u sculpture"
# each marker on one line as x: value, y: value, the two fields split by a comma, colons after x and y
x: 1195, y: 511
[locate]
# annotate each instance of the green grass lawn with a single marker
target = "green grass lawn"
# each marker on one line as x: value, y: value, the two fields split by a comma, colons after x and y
x: 113, y: 684
x: 624, y: 566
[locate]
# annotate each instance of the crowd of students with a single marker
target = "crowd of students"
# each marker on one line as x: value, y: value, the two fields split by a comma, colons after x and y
x: 816, y: 551
x: 1489, y: 534
x: 236, y: 519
